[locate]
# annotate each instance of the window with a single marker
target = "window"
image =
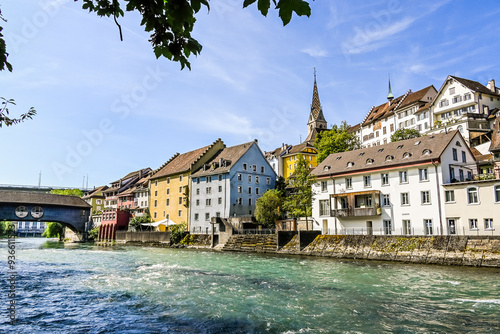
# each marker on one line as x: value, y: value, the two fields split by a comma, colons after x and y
x: 452, y: 90
x: 168, y: 191
x: 256, y: 191
x: 497, y: 194
x: 452, y: 173
x: 449, y: 196
x: 249, y: 201
x: 461, y: 175
x: 367, y: 181
x: 467, y: 96
x: 196, y: 217
x: 405, y: 199
x: 387, y: 227
x: 198, y: 180
x: 155, y: 215
x: 219, y: 200
x: 168, y: 180
x: 455, y: 154
x: 180, y: 213
x: 198, y: 191
x: 220, y: 189
x: 464, y: 157
x: 262, y: 169
x: 472, y: 195
x: 324, y: 207
x: 425, y: 197
x: 254, y: 168
x: 385, y: 179
x: 348, y: 185
x: 249, y: 190
x: 156, y: 203
x: 257, y: 179
x: 207, y: 216
x: 268, y: 180
x: 240, y: 189
x: 180, y: 189
x: 403, y: 176
x: 422, y: 172
x: 180, y: 200
x: 392, y: 127
x: 239, y: 201
x: 473, y: 224
x: 384, y: 130
x: 220, y: 177
x: 244, y: 166
x: 406, y: 226
x: 488, y: 223
x: 168, y: 201
x: 197, y: 202
x: 156, y: 193
x: 156, y: 183
x: 209, y: 179
x: 324, y: 186
x: 249, y: 178
x: 239, y: 177
x: 428, y: 226
x: 208, y: 202
x: 386, y: 200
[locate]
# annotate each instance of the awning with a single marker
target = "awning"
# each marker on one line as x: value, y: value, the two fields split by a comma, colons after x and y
x: 165, y: 222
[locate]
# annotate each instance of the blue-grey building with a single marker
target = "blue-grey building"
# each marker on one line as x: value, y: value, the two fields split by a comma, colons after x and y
x: 229, y: 184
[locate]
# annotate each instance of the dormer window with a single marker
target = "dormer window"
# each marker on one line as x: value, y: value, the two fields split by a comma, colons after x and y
x: 389, y: 158
x: 326, y: 168
x: 406, y: 155
x: 338, y: 158
x: 426, y: 152
x: 361, y: 154
x: 380, y: 150
x: 350, y: 164
x: 417, y: 143
x: 400, y: 147
x: 369, y: 161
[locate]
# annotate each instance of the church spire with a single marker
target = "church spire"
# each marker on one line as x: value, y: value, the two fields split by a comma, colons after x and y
x: 316, y: 118
x: 390, y: 97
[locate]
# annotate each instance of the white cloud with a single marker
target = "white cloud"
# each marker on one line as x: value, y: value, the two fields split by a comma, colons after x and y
x: 315, y: 52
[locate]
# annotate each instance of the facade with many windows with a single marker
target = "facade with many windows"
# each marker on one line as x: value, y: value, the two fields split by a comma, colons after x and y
x: 228, y: 185
x: 395, y: 188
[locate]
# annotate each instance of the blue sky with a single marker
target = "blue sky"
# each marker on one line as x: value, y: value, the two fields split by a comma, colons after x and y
x: 107, y: 107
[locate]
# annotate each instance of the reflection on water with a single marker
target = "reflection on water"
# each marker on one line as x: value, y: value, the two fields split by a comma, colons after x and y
x: 89, y: 289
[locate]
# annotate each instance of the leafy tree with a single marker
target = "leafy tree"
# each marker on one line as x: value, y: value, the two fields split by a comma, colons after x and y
x: 281, y: 185
x: 299, y: 200
x: 177, y: 232
x: 170, y: 23
x: 54, y: 230
x: 267, y: 207
x: 93, y: 234
x: 67, y: 192
x: 336, y: 140
x: 402, y: 134
x: 5, y: 226
x: 4, y: 110
x: 137, y: 222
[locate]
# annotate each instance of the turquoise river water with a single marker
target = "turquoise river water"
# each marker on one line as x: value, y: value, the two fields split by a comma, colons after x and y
x: 88, y: 289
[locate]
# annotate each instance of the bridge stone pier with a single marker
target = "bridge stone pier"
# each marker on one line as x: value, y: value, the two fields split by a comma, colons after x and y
x: 71, y: 211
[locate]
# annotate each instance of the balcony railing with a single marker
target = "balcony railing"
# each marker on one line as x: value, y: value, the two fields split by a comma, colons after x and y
x: 356, y: 212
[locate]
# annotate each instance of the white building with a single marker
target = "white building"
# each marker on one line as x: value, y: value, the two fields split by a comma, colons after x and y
x: 465, y: 105
x: 395, y: 188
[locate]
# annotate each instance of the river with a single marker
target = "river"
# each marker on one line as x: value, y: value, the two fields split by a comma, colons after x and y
x: 82, y: 288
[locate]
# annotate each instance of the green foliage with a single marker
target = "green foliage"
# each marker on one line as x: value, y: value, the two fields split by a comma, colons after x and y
x: 5, y: 226
x: 3, y: 50
x: 281, y: 185
x: 299, y: 200
x: 267, y: 207
x: 137, y: 222
x: 336, y: 140
x: 54, y: 230
x: 67, y: 192
x: 93, y: 233
x: 177, y: 232
x: 402, y: 134
x: 170, y: 23
x: 4, y: 110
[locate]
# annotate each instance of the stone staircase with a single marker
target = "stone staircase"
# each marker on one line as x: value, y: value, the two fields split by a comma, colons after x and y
x: 260, y: 243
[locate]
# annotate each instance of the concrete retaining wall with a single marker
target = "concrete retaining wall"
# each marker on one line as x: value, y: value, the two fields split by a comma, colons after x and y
x: 145, y: 237
x: 197, y: 241
x: 260, y: 243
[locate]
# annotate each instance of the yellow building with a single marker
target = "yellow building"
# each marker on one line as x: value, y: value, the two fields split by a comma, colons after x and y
x: 309, y: 153
x: 169, y: 186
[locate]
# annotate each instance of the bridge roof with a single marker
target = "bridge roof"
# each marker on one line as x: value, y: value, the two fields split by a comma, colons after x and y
x: 25, y: 197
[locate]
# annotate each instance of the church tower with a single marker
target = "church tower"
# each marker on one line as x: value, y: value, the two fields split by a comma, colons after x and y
x: 317, y: 122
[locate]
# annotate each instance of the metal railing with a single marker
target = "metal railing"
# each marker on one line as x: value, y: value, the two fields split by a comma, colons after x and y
x: 255, y: 231
x: 435, y: 231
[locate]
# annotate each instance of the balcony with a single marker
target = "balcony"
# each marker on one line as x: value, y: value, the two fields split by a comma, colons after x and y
x: 356, y: 204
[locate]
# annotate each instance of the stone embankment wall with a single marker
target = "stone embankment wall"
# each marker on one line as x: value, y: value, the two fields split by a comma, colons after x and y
x: 143, y: 237
x: 197, y: 241
x: 444, y: 250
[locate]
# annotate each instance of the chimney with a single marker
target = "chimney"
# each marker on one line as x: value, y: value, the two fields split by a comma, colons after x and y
x: 491, y: 85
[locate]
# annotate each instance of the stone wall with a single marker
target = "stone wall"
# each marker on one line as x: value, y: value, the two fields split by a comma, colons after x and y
x: 197, y: 241
x: 142, y: 237
x: 443, y: 250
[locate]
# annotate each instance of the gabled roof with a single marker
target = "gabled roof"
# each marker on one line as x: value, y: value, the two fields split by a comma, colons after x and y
x: 296, y: 149
x: 141, y: 172
x: 400, y: 102
x: 181, y: 163
x: 229, y: 155
x: 276, y: 152
x: 474, y: 86
x: 94, y: 192
x: 400, y: 153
